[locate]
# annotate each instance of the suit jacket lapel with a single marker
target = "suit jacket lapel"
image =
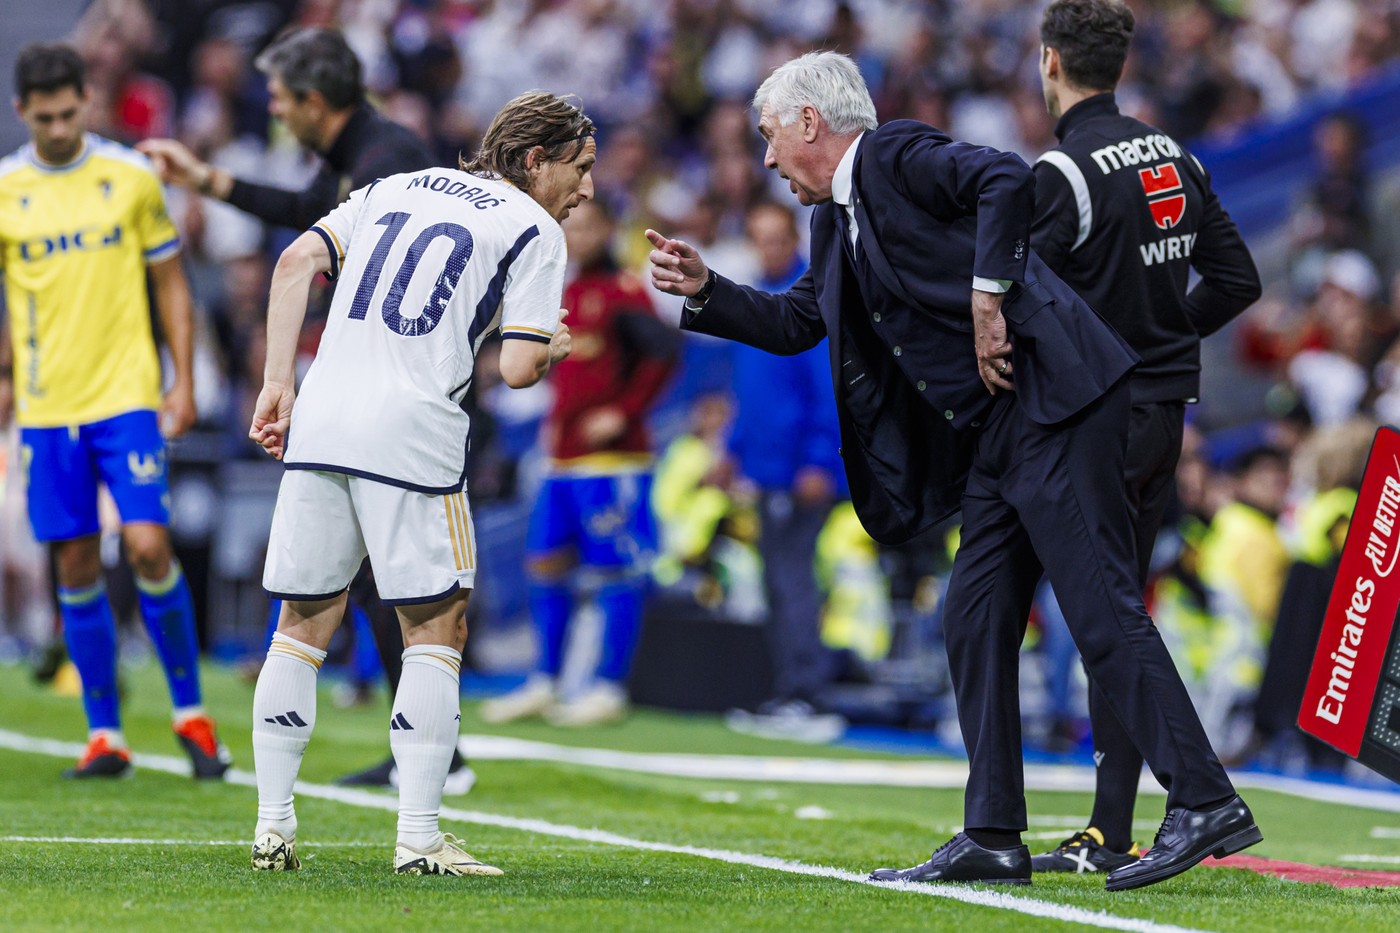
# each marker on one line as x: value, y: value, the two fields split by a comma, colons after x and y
x: 833, y: 270
x: 869, y: 243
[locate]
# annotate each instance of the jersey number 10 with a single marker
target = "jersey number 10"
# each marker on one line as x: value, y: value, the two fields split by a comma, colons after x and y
x: 446, y: 283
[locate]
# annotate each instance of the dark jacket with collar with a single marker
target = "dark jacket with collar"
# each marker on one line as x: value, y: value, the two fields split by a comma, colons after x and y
x: 1124, y: 214
x: 932, y: 213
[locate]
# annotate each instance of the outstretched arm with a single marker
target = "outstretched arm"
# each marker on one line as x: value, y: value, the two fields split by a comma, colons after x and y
x: 786, y: 324
x: 177, y: 165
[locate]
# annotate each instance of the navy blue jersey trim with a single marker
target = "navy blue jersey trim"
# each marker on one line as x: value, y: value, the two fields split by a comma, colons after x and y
x: 330, y: 247
x: 299, y: 598
x: 387, y: 480
x: 164, y: 251
x: 513, y: 335
x: 461, y: 395
x: 420, y: 600
x: 491, y: 300
x: 466, y: 459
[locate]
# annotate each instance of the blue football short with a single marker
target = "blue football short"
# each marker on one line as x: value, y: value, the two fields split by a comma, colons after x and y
x: 65, y: 466
x: 606, y: 520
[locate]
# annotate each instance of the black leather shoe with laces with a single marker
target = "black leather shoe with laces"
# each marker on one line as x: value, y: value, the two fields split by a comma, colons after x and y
x: 373, y: 776
x: 382, y: 775
x: 962, y: 860
x: 1083, y: 852
x: 1186, y: 838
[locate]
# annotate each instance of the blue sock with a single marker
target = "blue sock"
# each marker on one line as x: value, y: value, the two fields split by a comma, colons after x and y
x: 368, y: 668
x: 621, y: 604
x: 90, y: 632
x: 551, y: 605
x: 168, y: 609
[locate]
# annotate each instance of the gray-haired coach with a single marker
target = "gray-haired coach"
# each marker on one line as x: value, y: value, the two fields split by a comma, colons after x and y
x: 968, y: 375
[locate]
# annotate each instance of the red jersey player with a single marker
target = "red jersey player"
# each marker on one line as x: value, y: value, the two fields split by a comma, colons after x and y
x: 592, y: 523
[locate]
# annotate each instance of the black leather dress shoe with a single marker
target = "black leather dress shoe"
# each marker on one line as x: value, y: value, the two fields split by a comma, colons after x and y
x: 1187, y: 837
x: 962, y: 860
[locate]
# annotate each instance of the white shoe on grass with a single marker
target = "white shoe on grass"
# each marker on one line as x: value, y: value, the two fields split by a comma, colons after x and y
x: 603, y: 702
x: 531, y: 698
x: 449, y: 859
x: 459, y: 782
x: 793, y: 720
x: 272, y: 852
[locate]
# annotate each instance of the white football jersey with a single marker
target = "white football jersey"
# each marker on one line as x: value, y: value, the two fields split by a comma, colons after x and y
x: 427, y: 265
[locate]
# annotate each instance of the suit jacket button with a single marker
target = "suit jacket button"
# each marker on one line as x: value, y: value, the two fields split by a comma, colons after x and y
x: 922, y: 385
x: 948, y: 414
x: 898, y: 351
x: 876, y: 316
x: 977, y: 424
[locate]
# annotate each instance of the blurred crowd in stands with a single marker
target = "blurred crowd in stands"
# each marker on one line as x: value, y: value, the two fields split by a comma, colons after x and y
x: 1263, y: 500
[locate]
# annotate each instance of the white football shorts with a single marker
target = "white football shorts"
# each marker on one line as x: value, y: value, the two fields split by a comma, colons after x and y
x: 422, y: 547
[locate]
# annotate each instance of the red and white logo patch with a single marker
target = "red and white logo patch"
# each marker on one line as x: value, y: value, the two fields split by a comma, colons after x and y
x: 1157, y: 183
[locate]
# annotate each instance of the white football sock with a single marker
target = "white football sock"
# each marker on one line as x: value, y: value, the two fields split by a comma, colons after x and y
x: 115, y: 738
x: 423, y: 733
x: 179, y: 714
x: 284, y: 713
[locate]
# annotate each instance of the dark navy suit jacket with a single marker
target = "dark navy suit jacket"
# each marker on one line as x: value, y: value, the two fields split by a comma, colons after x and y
x: 932, y: 213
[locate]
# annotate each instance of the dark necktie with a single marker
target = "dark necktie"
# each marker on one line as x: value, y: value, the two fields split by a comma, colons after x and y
x: 843, y: 233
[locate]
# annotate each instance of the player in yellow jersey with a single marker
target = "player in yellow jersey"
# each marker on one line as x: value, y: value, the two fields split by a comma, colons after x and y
x: 82, y: 223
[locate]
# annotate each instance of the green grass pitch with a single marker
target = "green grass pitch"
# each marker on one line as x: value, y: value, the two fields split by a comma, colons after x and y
x: 188, y: 867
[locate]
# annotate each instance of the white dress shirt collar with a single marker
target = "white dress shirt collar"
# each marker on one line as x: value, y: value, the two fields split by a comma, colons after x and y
x: 843, y: 181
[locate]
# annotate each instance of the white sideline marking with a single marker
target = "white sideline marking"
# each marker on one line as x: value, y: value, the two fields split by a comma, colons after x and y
x: 922, y: 773
x: 379, y: 801
x: 1376, y: 859
x: 123, y: 841
x: 1385, y: 832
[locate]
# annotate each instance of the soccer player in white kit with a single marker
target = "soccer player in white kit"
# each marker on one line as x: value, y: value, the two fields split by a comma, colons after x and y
x: 427, y: 264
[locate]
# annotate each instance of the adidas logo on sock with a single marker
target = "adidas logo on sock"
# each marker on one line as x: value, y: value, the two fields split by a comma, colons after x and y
x: 398, y: 722
x: 290, y: 718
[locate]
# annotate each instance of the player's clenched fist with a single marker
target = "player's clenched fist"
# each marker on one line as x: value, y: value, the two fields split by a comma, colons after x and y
x: 271, y: 417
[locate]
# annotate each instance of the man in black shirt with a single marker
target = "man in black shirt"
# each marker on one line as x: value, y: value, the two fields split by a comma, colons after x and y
x: 314, y: 80
x: 1123, y: 214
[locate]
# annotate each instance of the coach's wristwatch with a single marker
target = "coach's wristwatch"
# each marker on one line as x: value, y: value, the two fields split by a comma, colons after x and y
x: 697, y: 301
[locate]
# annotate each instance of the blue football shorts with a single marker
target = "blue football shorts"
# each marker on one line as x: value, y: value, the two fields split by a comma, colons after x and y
x: 606, y: 520
x: 65, y: 466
